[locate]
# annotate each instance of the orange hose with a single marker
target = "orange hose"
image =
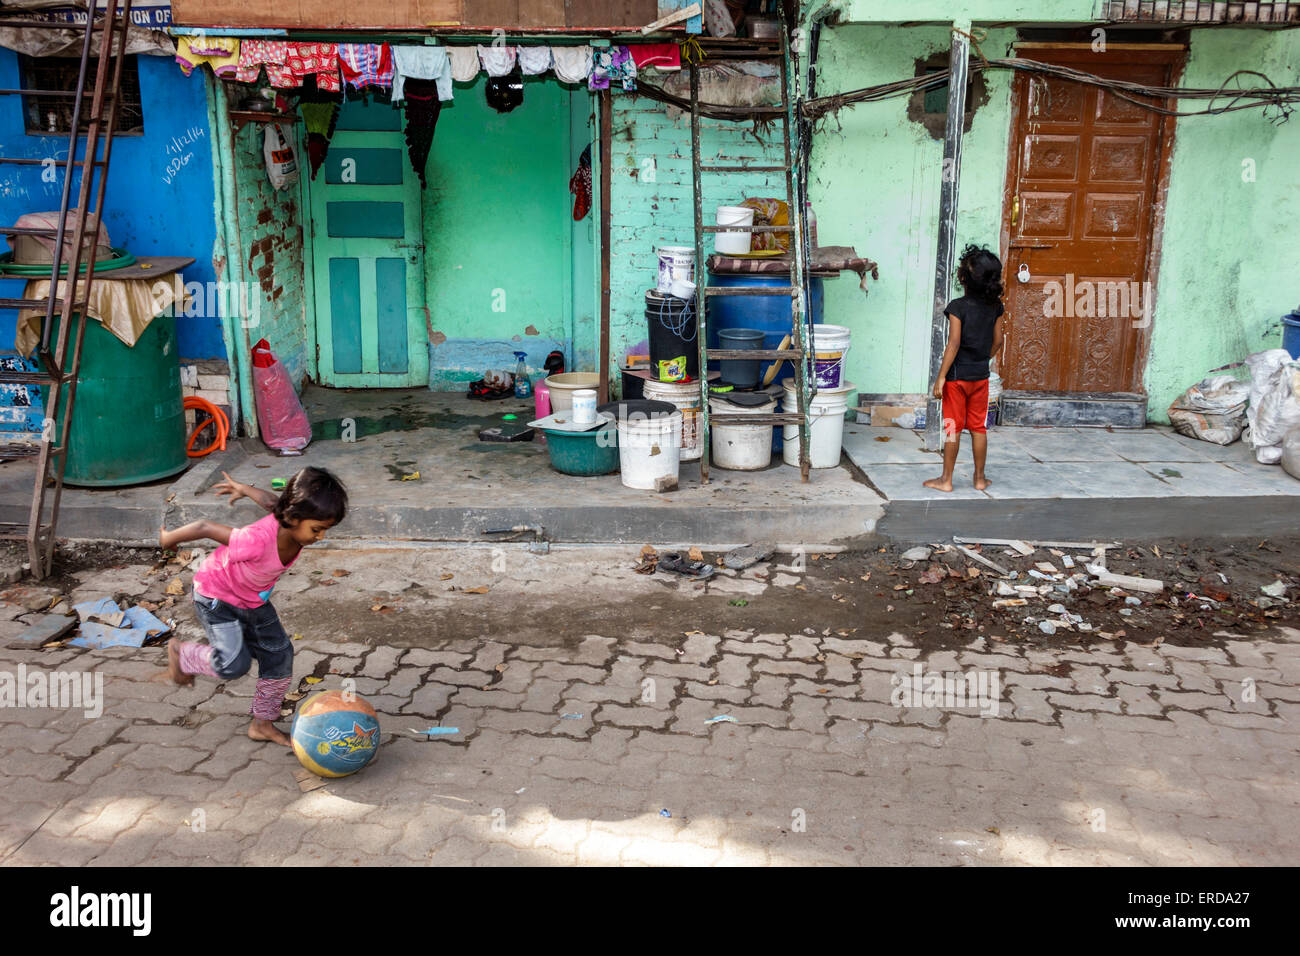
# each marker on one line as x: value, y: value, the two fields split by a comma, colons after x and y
x: 216, y: 417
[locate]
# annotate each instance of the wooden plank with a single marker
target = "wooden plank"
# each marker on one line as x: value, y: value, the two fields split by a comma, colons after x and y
x: 610, y: 13
x: 325, y: 14
x: 606, y: 160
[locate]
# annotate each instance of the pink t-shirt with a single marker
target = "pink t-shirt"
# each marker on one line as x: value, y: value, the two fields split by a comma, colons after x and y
x: 244, y: 571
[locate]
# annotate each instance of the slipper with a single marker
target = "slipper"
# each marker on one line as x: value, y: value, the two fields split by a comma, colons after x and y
x: 673, y: 561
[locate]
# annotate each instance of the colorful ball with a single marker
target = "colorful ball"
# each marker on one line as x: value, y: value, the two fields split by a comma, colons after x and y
x: 335, y: 734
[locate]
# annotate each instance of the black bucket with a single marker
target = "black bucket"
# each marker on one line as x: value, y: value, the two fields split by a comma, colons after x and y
x: 673, y: 325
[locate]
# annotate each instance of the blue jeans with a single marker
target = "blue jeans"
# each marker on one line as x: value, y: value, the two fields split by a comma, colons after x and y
x: 238, y: 635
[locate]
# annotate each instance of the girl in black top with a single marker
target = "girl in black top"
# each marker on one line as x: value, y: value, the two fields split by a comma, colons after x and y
x: 974, y: 337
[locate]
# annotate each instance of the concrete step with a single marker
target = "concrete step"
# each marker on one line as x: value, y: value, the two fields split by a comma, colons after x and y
x: 1073, y: 409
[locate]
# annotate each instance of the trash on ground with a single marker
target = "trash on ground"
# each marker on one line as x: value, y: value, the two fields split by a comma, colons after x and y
x: 980, y: 559
x: 436, y: 731
x: 1275, y: 590
x: 1130, y: 583
x: 722, y: 719
x: 919, y: 553
x: 1213, y: 410
x: 665, y: 813
x: 738, y: 559
x: 673, y: 561
x: 571, y: 716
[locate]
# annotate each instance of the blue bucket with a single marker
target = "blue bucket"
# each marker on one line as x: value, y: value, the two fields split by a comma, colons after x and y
x: 1291, y: 333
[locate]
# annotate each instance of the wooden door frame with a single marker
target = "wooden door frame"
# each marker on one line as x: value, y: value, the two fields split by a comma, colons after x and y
x: 1172, y: 54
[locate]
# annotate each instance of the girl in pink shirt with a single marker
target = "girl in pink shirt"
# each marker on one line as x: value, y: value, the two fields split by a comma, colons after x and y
x: 232, y: 588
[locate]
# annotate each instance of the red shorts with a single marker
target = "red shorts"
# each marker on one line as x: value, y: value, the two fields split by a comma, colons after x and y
x: 965, y: 407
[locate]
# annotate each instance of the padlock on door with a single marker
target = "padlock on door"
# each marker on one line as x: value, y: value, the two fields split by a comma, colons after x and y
x: 1023, y: 274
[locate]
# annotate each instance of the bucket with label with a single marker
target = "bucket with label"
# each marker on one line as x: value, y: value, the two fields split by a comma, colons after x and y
x: 830, y: 343
x: 742, y: 447
x: 649, y: 441
x: 685, y: 396
x: 675, y: 263
x: 826, y: 417
x: 671, y: 324
x: 735, y: 242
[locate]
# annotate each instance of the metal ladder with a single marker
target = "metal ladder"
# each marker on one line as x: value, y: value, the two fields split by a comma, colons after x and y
x: 103, y: 46
x: 788, y: 114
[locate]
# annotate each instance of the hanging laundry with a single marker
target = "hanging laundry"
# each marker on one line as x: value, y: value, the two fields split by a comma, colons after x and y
x: 504, y: 93
x: 580, y: 186
x: 319, y: 116
x: 366, y: 64
x: 662, y: 56
x: 318, y: 60
x: 612, y: 66
x: 220, y: 53
x: 255, y: 54
x: 572, y: 63
x: 534, y: 59
x: 421, y: 63
x: 464, y: 63
x: 423, y: 104
x: 497, y: 60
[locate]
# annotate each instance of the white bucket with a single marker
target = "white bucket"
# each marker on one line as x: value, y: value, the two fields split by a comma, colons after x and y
x: 741, y: 447
x: 738, y: 242
x: 686, y: 396
x: 830, y: 343
x: 584, y: 406
x: 649, y: 448
x: 826, y: 414
x: 675, y: 263
x: 563, y: 385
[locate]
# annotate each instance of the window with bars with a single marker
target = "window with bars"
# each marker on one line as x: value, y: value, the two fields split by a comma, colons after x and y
x: 52, y: 115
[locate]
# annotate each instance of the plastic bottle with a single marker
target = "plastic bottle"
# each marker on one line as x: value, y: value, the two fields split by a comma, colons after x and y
x: 523, y: 387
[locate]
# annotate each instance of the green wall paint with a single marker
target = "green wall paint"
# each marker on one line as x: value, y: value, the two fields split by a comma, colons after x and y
x: 498, y: 233
x: 1221, y: 286
x: 944, y: 11
x: 1228, y: 272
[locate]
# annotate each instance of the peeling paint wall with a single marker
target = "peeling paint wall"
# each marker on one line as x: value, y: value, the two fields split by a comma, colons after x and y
x: 158, y: 200
x: 651, y: 198
x: 1228, y: 273
x: 271, y: 243
x: 1223, y: 279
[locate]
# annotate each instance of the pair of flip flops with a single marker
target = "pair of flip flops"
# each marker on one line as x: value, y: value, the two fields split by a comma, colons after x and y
x: 675, y: 562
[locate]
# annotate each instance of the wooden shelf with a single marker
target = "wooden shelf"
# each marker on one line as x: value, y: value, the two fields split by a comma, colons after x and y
x: 239, y: 117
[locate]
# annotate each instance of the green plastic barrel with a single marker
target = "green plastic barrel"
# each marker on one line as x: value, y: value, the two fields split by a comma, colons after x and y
x: 128, y: 423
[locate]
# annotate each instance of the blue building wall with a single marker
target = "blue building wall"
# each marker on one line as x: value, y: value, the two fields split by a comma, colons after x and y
x: 159, y: 199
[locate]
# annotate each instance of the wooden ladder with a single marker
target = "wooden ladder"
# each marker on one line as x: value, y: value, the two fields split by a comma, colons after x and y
x: 787, y: 114
x: 103, y: 48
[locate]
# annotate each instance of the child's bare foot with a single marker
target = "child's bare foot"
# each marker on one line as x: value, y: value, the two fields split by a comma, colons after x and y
x: 939, y: 484
x: 174, y: 671
x: 265, y: 730
x: 981, y: 483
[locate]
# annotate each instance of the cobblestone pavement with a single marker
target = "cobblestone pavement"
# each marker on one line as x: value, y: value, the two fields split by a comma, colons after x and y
x: 573, y: 745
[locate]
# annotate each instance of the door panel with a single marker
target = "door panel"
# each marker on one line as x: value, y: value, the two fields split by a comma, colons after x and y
x: 368, y: 254
x: 1082, y: 181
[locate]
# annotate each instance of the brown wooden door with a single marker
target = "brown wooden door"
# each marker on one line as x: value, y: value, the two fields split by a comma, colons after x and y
x: 1084, y: 176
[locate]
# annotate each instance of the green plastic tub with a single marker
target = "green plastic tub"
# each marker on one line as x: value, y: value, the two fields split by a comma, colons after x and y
x: 128, y: 423
x: 587, y: 453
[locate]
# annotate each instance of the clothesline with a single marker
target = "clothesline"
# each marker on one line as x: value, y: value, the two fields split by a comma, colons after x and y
x: 338, y: 66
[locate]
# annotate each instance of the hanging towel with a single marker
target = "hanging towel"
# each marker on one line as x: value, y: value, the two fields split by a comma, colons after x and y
x: 254, y: 54
x: 220, y: 53
x: 319, y: 60
x: 662, y: 56
x: 319, y: 117
x: 464, y: 63
x: 421, y: 63
x: 534, y: 59
x: 367, y: 64
x: 612, y: 66
x: 423, y: 104
x: 572, y: 63
x: 497, y: 60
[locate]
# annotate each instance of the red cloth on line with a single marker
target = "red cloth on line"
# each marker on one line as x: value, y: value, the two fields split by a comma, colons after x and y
x: 965, y: 407
x: 662, y: 56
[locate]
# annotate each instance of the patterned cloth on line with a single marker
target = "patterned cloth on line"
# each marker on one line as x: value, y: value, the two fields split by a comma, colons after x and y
x: 254, y: 54
x: 320, y: 60
x: 612, y: 66
x: 366, y: 64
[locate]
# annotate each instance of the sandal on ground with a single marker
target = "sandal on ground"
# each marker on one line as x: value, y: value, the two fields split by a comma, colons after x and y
x: 673, y: 561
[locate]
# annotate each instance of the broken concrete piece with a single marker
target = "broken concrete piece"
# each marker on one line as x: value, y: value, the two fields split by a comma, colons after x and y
x: 980, y: 559
x: 1275, y: 590
x: 1002, y: 589
x: 738, y: 559
x: 46, y: 628
x: 1047, y: 567
x: 1149, y: 585
x: 32, y: 597
x: 919, y: 553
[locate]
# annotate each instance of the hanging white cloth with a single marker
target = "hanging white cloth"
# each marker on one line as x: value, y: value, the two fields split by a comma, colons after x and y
x: 497, y: 60
x: 572, y: 63
x: 534, y: 59
x: 421, y: 63
x: 464, y: 63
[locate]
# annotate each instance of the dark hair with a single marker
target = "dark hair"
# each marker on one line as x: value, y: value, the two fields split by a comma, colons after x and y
x: 312, y: 495
x: 980, y: 273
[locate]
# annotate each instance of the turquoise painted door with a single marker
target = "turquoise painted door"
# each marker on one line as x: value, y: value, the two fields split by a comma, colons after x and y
x: 368, y: 255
